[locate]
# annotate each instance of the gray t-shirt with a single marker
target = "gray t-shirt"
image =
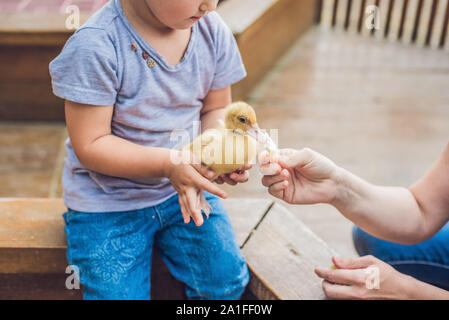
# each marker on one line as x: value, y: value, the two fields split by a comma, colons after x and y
x: 106, y: 62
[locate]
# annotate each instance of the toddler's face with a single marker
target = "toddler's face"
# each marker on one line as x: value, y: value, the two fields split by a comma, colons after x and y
x: 180, y: 14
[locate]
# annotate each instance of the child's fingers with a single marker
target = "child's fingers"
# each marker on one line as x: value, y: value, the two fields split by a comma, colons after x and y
x: 228, y: 180
x: 239, y: 177
x: 270, y: 180
x: 204, y: 171
x: 195, y: 211
x: 219, y: 180
x: 184, y: 211
x: 246, y: 167
x: 203, y: 183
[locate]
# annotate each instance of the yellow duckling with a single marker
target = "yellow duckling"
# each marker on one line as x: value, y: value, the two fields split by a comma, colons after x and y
x: 230, y: 146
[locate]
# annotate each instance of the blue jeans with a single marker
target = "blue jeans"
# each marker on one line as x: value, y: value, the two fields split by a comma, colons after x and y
x: 427, y: 261
x: 113, y: 251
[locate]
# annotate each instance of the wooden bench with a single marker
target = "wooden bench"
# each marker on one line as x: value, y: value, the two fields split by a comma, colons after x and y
x: 280, y: 250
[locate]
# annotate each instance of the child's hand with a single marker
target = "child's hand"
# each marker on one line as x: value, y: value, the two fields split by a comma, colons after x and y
x: 299, y: 176
x: 188, y: 182
x: 238, y: 176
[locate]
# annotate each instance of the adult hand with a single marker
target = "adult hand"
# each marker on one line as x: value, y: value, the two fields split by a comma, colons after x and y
x: 363, y: 278
x: 299, y: 176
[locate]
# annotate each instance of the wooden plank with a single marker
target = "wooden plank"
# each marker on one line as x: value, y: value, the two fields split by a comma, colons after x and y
x: 354, y: 16
x: 32, y: 238
x: 409, y: 23
x: 384, y: 6
x: 239, y: 15
x: 282, y: 254
x: 245, y: 214
x: 26, y: 28
x: 33, y: 246
x: 341, y: 14
x: 395, y: 23
x: 438, y: 24
x: 367, y: 18
x: 36, y: 287
x: 326, y: 13
x: 423, y: 26
x: 445, y: 36
x: 446, y: 41
x: 20, y: 100
x: 26, y: 63
x: 28, y: 225
x: 32, y: 223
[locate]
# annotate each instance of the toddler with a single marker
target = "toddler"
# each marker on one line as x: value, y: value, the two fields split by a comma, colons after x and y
x: 136, y: 71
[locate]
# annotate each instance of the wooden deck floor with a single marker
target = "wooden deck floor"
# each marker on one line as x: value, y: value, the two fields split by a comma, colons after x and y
x: 379, y: 109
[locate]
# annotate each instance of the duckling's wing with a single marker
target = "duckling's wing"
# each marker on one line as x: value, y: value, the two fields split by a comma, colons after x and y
x: 207, y: 145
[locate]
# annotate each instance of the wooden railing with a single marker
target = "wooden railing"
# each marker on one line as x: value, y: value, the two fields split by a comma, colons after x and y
x: 421, y: 22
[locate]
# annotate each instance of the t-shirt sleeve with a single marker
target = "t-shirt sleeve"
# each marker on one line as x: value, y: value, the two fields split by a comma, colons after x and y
x: 229, y: 66
x: 86, y: 69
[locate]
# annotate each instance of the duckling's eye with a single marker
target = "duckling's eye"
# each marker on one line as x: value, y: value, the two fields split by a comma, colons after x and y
x: 242, y: 119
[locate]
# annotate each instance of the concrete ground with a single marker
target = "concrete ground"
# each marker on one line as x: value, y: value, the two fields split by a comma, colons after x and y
x: 378, y: 109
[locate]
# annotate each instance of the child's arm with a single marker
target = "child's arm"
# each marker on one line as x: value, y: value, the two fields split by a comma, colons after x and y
x: 214, y: 107
x: 97, y: 149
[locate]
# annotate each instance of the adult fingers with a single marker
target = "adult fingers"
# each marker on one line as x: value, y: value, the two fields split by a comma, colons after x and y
x: 343, y: 276
x: 270, y: 169
x: 277, y: 189
x: 338, y: 291
x: 195, y: 211
x: 269, y: 180
x: 357, y: 263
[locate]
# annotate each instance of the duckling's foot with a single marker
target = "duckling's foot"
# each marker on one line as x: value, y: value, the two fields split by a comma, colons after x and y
x: 204, y: 205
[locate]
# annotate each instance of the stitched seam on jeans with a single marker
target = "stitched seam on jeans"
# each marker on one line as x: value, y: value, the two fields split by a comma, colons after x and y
x: 428, y: 263
x: 159, y: 217
x: 186, y: 260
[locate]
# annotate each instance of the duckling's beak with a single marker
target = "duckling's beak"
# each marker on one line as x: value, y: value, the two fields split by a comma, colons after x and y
x: 255, y: 132
x: 261, y: 137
